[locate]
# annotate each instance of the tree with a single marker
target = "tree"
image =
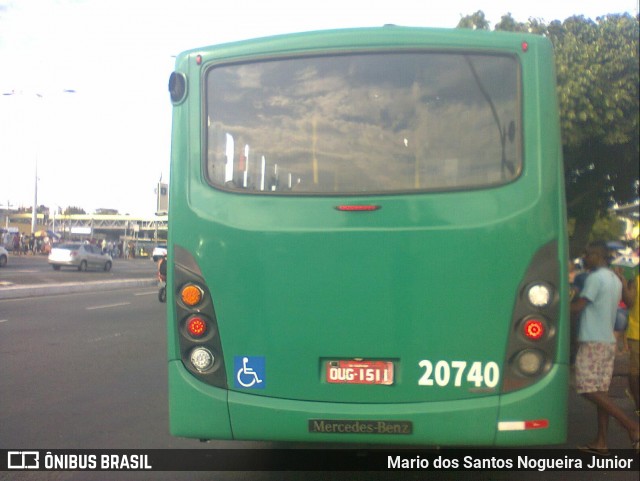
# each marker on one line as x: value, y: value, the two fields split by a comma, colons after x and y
x: 606, y: 228
x: 508, y: 24
x: 597, y: 69
x: 477, y: 21
x: 597, y: 72
x: 74, y: 210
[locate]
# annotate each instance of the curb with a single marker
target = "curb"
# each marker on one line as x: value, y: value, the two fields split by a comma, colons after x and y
x: 21, y: 292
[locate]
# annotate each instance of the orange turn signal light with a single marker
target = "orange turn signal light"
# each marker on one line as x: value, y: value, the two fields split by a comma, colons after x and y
x: 191, y: 295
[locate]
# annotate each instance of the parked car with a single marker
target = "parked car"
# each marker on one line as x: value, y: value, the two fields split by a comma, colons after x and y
x: 159, y: 251
x: 4, y: 256
x: 80, y: 256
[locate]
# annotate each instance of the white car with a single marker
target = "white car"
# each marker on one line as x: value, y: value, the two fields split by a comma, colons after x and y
x: 4, y: 256
x: 80, y: 256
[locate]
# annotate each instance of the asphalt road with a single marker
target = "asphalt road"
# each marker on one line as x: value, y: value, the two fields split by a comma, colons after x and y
x: 32, y: 276
x: 88, y: 370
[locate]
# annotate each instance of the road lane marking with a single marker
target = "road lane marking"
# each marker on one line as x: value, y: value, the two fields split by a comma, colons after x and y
x: 145, y: 293
x: 107, y: 306
x: 4, y: 320
x: 104, y: 338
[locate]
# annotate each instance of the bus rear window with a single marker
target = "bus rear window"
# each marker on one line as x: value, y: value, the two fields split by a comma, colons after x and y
x: 364, y: 123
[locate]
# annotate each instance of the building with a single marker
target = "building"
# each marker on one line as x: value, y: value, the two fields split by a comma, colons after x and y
x: 144, y: 232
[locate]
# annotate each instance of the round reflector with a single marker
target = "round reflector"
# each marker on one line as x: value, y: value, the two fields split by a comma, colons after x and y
x: 202, y: 359
x: 196, y: 326
x: 191, y: 295
x: 533, y: 329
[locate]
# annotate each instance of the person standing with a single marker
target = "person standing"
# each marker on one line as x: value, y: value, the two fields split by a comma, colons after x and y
x: 597, y: 306
x: 16, y: 244
x: 630, y: 298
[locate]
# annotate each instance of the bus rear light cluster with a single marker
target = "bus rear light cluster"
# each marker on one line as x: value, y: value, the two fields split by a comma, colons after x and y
x: 532, y: 347
x: 197, y: 325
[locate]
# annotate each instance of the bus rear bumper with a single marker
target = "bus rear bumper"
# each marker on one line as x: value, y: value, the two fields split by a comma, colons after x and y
x: 205, y: 412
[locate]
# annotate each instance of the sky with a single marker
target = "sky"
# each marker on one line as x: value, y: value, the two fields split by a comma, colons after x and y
x: 87, y: 79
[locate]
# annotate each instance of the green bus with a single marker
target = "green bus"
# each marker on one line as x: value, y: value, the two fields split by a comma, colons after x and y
x: 367, y: 240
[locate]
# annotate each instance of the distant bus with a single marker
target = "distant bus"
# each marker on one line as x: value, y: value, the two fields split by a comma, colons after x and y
x: 367, y: 240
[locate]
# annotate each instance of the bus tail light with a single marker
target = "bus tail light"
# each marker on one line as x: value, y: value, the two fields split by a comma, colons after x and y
x: 202, y: 359
x: 533, y: 329
x: 191, y: 295
x: 532, y: 347
x: 529, y: 362
x: 539, y: 295
x: 197, y: 325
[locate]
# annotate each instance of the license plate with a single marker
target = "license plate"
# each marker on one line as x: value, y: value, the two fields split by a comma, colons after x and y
x: 359, y: 372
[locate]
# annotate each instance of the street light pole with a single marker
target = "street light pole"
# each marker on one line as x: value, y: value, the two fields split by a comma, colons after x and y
x: 34, y: 214
x: 6, y: 218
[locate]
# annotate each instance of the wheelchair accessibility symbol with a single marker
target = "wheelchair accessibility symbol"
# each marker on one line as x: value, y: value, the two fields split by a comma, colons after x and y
x: 250, y: 372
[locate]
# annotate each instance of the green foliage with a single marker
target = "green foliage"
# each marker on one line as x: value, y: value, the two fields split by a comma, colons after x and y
x: 476, y: 21
x: 607, y: 228
x: 508, y: 24
x: 597, y: 69
x: 74, y: 210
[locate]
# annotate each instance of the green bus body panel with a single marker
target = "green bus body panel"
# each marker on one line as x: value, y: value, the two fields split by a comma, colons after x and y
x: 197, y: 410
x: 430, y: 276
x: 547, y: 399
x: 349, y: 292
x: 202, y: 412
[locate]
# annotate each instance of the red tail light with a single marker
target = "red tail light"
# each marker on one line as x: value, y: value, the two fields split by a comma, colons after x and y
x: 533, y: 329
x: 196, y: 326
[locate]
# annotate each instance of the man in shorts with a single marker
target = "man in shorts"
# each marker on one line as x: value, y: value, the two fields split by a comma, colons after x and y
x: 597, y: 306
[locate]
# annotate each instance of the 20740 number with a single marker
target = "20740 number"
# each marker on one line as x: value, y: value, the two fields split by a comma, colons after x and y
x: 444, y: 373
